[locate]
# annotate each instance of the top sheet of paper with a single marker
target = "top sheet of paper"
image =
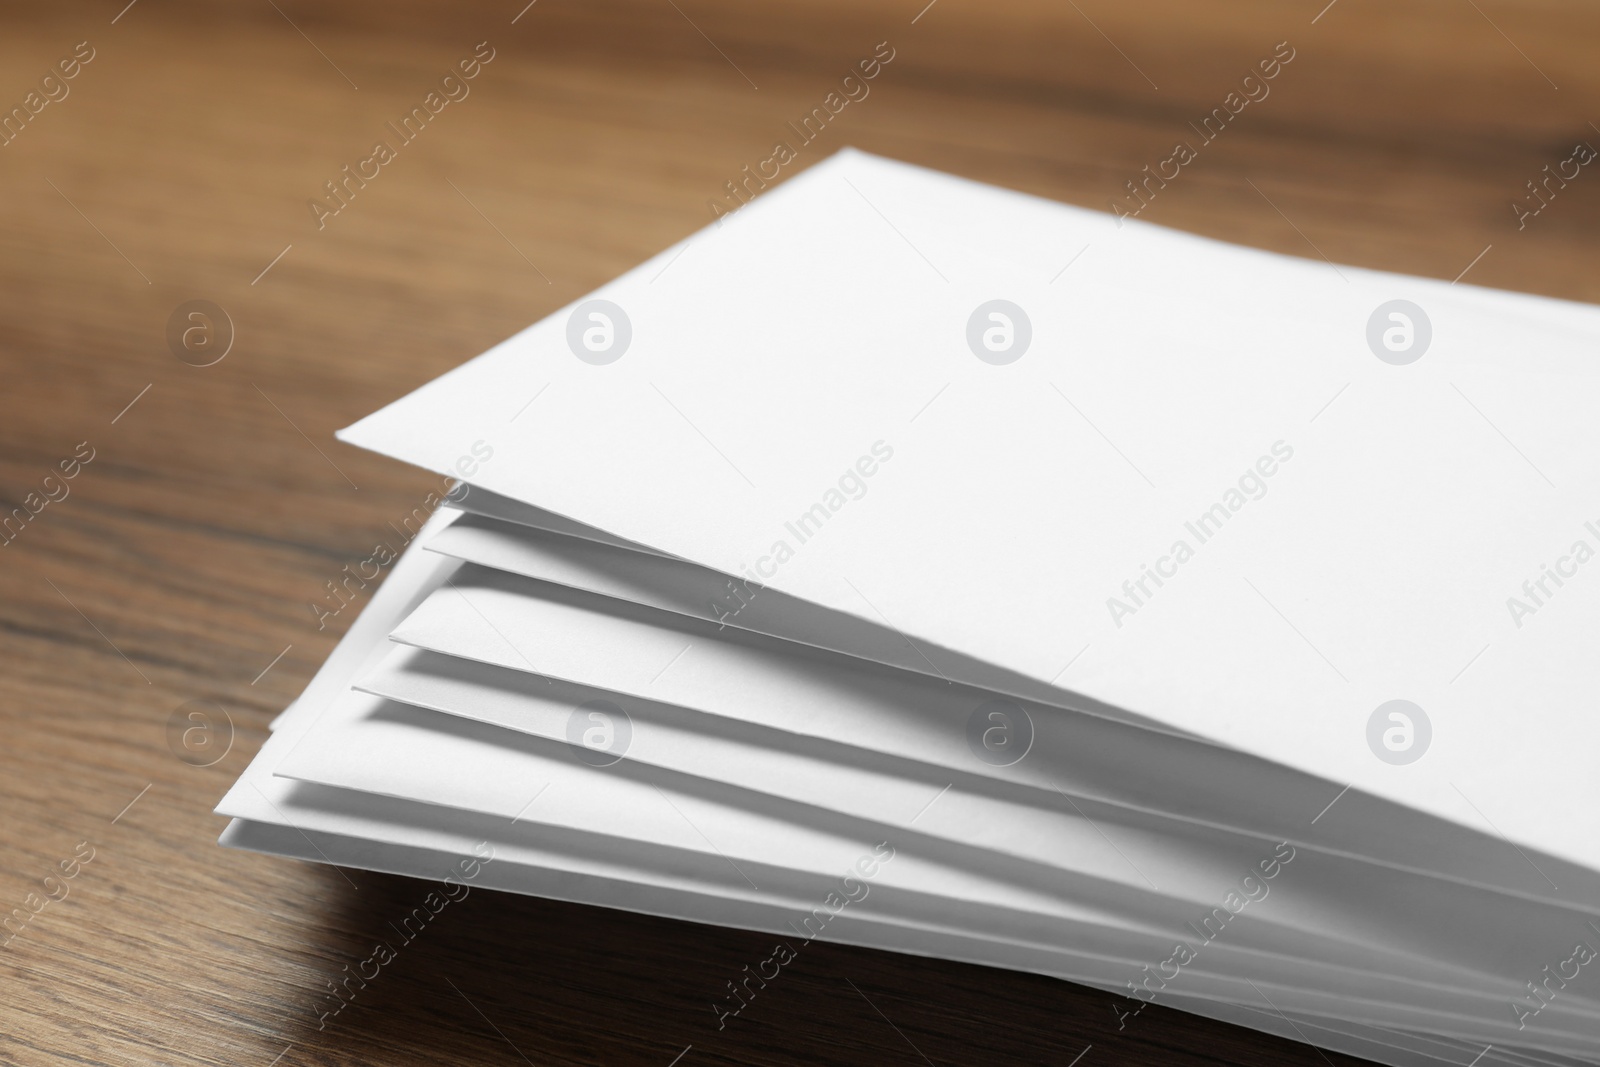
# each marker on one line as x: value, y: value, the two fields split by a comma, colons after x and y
x: 1250, y: 496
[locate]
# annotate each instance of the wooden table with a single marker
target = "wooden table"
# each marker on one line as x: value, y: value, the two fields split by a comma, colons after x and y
x: 179, y: 563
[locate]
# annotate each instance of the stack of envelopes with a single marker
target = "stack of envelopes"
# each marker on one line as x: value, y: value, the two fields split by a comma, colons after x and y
x: 916, y: 564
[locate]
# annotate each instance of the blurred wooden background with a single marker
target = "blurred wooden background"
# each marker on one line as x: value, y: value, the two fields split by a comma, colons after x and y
x: 180, y: 567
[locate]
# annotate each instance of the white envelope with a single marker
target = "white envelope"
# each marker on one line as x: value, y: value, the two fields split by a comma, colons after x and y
x: 1081, y: 756
x: 310, y: 812
x: 1356, y: 531
x: 1165, y: 869
x: 554, y: 876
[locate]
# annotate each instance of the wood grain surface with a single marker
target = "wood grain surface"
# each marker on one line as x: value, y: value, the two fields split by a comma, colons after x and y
x: 178, y: 564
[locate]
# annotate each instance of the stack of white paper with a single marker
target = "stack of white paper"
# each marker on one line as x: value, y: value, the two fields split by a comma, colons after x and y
x: 916, y: 564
